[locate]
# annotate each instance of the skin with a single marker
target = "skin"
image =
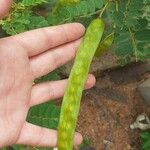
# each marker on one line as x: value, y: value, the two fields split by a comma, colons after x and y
x: 23, y: 58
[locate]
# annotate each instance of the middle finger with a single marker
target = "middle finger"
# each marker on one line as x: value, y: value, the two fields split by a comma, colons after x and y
x: 50, y: 60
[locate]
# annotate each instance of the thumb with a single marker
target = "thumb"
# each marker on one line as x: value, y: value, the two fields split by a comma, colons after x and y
x: 4, y: 7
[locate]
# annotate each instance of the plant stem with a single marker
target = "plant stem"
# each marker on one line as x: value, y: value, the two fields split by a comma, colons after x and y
x: 91, y: 14
x: 103, y: 10
x: 117, y: 6
x: 83, y: 16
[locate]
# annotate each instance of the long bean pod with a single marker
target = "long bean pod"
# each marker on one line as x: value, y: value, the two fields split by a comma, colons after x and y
x: 72, y: 97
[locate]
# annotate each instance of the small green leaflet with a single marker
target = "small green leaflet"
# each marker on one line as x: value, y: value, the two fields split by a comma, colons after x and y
x: 143, y: 35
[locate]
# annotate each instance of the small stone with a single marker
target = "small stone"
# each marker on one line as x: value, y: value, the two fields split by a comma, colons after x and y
x: 108, y: 144
x: 144, y: 90
x: 142, y: 122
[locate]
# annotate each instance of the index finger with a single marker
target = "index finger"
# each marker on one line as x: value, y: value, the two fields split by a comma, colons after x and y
x: 40, y: 40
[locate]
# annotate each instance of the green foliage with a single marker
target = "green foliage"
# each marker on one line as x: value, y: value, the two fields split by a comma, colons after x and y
x: 3, y: 148
x: 104, y: 45
x: 33, y: 2
x: 23, y: 20
x: 50, y: 76
x: 61, y: 3
x: 128, y: 19
x: 86, y: 143
x: 45, y: 115
x: 22, y: 147
x: 70, y: 13
x: 19, y: 147
x: 147, y: 11
x: 131, y: 25
x: 145, y: 136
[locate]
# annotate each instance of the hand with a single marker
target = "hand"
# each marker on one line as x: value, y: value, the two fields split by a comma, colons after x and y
x: 23, y: 58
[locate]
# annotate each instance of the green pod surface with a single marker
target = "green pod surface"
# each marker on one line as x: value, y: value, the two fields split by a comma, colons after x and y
x: 72, y: 97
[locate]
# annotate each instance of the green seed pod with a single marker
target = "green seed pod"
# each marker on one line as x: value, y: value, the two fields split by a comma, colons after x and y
x: 104, y: 45
x: 72, y: 97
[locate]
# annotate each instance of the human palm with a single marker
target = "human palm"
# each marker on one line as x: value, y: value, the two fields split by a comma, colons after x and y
x: 23, y: 58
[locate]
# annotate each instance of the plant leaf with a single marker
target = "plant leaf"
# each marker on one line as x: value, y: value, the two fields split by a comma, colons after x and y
x: 105, y: 45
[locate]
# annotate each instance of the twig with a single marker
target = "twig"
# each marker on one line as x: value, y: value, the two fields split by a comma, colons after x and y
x: 83, y: 16
x: 103, y: 10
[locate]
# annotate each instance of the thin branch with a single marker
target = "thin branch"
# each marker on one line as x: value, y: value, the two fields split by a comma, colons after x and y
x: 117, y: 6
x: 103, y: 10
x: 83, y: 16
x: 91, y: 14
